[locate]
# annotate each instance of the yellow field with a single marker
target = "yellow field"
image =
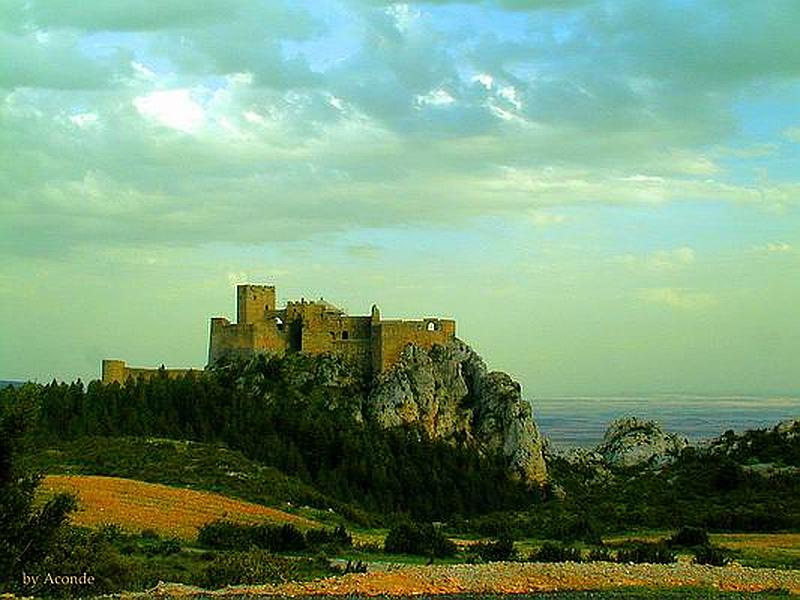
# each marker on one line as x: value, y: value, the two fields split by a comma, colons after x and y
x: 136, y: 505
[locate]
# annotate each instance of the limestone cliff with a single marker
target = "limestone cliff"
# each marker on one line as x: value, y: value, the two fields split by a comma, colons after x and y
x: 448, y: 393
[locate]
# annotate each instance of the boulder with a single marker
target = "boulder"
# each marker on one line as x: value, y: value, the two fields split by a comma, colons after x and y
x: 631, y: 442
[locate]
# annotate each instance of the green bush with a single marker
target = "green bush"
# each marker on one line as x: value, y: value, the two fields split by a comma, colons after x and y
x: 574, y: 528
x: 224, y: 535
x: 78, y: 551
x: 644, y: 552
x: 689, y: 537
x: 337, y: 538
x: 422, y: 539
x: 28, y: 530
x: 552, y: 552
x: 710, y: 555
x: 252, y: 566
x: 499, y: 550
x: 600, y: 555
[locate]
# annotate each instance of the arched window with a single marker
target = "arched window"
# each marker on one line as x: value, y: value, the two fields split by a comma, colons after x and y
x: 345, y: 335
x: 431, y: 326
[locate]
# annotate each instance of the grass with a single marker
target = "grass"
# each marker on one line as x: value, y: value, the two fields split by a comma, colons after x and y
x: 208, y: 467
x: 136, y: 506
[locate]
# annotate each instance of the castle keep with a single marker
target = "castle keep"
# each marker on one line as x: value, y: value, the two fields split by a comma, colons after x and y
x: 316, y: 327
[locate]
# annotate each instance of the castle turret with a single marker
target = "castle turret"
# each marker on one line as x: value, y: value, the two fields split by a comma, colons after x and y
x: 252, y: 301
x: 113, y: 371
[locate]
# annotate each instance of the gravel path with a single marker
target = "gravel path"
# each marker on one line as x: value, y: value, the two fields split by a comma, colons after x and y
x: 511, y: 578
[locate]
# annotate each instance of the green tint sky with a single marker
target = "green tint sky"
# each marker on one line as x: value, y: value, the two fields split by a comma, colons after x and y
x: 604, y: 194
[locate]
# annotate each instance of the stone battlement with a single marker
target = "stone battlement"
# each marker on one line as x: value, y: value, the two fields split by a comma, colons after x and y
x: 312, y: 327
x: 118, y: 371
x: 317, y: 327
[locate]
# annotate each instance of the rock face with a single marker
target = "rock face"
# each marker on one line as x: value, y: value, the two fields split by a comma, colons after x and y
x: 449, y: 394
x: 630, y: 442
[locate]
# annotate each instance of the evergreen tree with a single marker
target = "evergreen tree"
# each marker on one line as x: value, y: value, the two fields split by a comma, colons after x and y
x: 26, y: 533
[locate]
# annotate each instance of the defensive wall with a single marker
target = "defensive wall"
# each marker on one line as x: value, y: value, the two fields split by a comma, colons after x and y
x: 317, y: 327
x: 313, y: 327
x: 117, y: 371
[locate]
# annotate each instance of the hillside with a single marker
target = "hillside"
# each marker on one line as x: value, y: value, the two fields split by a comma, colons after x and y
x: 169, y: 511
x: 193, y: 465
x: 435, y: 436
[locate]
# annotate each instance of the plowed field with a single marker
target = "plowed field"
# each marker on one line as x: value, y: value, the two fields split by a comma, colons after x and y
x: 135, y: 505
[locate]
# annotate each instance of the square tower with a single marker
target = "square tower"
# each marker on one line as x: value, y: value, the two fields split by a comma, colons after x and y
x: 252, y: 301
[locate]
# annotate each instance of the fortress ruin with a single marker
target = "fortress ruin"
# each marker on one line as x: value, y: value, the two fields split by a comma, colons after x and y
x: 317, y: 327
x: 313, y: 327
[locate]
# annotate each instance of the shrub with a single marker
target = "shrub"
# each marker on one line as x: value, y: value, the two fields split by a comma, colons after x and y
x: 654, y: 553
x: 28, y: 529
x: 710, y: 555
x: 77, y: 551
x: 574, y: 529
x: 552, y: 552
x: 223, y: 535
x: 688, y: 537
x: 600, y: 555
x: 253, y: 566
x: 501, y: 549
x: 338, y: 538
x: 285, y: 538
x: 422, y: 539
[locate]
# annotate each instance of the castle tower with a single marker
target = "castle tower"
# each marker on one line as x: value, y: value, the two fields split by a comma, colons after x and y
x: 252, y: 301
x: 113, y: 370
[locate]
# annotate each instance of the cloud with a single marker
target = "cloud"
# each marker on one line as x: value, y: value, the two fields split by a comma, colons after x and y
x: 543, y: 219
x: 241, y: 121
x: 52, y: 60
x: 107, y: 15
x: 521, y: 5
x: 774, y: 248
x: 792, y: 134
x: 678, y: 298
x: 173, y: 108
x: 659, y: 260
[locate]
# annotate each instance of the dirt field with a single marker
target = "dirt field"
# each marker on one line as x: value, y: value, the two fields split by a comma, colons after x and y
x: 516, y: 578
x: 170, y: 511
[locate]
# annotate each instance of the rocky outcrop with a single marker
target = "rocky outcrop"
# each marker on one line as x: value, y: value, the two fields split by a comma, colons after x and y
x: 448, y: 393
x: 631, y: 442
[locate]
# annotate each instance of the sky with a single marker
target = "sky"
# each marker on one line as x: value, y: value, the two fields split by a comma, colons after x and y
x: 605, y: 194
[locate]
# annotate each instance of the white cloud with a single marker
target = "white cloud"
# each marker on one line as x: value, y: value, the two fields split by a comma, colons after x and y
x: 484, y: 79
x: 792, y: 134
x: 659, y: 260
x: 438, y: 97
x: 774, y: 247
x: 84, y: 120
x: 143, y: 72
x: 542, y: 219
x: 172, y: 108
x: 510, y: 93
x: 678, y: 298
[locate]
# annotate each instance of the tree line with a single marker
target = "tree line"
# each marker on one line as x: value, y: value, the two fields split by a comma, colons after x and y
x: 284, y: 412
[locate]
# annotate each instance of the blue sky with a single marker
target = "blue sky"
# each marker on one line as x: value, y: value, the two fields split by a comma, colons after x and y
x: 604, y: 194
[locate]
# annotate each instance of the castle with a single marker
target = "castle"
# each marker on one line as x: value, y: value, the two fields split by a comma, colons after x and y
x: 316, y: 327
x: 313, y: 327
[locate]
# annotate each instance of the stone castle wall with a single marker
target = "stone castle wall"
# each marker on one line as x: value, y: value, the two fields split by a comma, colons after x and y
x: 316, y: 327
x: 117, y: 371
x: 313, y: 327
